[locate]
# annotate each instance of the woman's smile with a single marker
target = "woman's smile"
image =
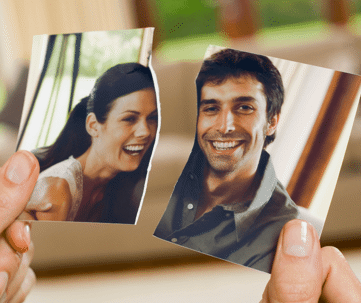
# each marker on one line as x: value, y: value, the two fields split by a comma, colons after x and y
x: 129, y: 130
x: 133, y: 149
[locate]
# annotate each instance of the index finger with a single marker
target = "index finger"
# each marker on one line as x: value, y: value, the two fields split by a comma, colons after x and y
x: 17, y: 180
x: 341, y: 284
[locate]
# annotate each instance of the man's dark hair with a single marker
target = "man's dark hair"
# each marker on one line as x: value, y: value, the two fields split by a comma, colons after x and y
x: 230, y: 63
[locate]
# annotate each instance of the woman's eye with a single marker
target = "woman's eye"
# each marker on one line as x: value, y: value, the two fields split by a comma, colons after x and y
x: 129, y: 119
x: 153, y: 118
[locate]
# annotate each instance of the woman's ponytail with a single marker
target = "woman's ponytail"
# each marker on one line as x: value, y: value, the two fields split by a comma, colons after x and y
x: 74, y: 140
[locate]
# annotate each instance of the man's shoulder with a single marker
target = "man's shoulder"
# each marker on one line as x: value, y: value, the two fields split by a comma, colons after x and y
x: 280, y: 206
x: 287, y: 204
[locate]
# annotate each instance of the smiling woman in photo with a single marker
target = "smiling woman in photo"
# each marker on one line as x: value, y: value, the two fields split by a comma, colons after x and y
x: 96, y: 169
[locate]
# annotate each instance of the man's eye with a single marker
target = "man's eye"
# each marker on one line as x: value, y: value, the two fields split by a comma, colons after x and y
x: 210, y: 109
x: 246, y: 109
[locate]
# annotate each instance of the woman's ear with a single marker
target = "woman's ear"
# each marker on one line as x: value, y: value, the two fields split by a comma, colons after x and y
x: 272, y: 125
x: 92, y: 125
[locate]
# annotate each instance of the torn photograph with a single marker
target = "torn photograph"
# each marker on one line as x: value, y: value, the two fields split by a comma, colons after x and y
x: 91, y: 118
x: 270, y: 139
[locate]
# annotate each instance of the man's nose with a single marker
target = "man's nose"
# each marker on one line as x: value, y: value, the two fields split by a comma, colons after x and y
x: 226, y: 122
x: 142, y: 130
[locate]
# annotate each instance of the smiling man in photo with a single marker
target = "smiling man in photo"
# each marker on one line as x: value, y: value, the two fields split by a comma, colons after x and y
x: 228, y: 202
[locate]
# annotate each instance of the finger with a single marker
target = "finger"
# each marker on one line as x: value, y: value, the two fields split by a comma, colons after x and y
x: 297, y: 269
x: 4, y: 279
x: 9, y: 264
x: 341, y: 283
x: 18, y: 236
x: 17, y: 279
x: 26, y: 286
x: 17, y: 180
x: 26, y: 216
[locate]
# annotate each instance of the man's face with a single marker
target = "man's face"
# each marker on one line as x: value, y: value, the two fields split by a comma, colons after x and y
x: 232, y: 124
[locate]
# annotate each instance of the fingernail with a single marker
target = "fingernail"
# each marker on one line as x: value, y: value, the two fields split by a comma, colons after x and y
x: 297, y: 239
x: 27, y: 234
x: 4, y: 278
x: 19, y: 168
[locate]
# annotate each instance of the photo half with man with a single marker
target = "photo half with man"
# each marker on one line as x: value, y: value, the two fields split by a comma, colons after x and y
x: 270, y: 139
x: 91, y: 118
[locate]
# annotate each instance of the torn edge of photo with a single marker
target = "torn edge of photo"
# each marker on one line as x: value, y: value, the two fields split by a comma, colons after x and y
x: 91, y: 118
x: 270, y: 139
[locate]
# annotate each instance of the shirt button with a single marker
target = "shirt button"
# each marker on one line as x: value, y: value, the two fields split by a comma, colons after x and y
x: 174, y: 240
x: 190, y: 206
x: 191, y: 176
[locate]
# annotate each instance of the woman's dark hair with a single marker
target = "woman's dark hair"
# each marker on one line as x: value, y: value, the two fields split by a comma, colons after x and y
x: 74, y: 139
x: 124, y: 192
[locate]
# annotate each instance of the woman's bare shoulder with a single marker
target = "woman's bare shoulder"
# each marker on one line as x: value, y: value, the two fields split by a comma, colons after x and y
x: 56, y: 191
x: 52, y: 188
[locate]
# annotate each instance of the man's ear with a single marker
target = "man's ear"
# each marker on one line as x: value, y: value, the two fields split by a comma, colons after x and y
x: 92, y: 125
x: 272, y: 125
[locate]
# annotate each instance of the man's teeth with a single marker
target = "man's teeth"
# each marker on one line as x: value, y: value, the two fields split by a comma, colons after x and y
x: 224, y: 145
x: 134, y: 148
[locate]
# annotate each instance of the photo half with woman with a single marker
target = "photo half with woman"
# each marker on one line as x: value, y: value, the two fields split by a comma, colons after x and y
x: 91, y: 119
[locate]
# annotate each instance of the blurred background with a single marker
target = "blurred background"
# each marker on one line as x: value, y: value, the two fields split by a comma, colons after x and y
x: 120, y: 263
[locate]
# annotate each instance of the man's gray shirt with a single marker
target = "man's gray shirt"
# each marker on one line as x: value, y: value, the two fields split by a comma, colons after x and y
x: 242, y: 233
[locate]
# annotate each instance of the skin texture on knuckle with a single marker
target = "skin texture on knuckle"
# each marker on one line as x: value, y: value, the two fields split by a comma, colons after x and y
x: 25, y: 288
x: 332, y: 253
x: 341, y: 284
x: 334, y: 262
x: 304, y: 291
x: 15, y: 284
x: 6, y: 201
x: 10, y: 260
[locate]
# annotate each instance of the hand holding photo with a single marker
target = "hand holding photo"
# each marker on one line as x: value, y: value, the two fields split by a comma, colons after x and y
x: 95, y: 168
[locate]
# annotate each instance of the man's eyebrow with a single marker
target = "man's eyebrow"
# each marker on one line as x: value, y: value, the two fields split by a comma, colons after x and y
x: 209, y: 101
x: 244, y: 99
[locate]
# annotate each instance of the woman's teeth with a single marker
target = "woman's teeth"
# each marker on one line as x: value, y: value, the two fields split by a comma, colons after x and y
x: 134, y: 149
x: 224, y: 145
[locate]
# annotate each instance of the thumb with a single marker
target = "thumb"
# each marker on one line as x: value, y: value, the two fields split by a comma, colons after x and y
x: 17, y: 180
x: 297, y: 269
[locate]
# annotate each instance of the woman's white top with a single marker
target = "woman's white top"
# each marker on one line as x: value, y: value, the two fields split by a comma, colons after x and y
x: 69, y: 170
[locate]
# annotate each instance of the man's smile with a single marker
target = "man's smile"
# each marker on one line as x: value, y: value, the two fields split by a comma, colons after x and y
x: 225, y: 148
x: 226, y: 145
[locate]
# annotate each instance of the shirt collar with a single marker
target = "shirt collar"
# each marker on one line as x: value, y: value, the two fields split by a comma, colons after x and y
x: 244, y: 219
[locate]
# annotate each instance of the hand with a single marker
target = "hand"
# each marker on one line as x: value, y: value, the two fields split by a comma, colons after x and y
x: 17, y: 180
x: 303, y: 272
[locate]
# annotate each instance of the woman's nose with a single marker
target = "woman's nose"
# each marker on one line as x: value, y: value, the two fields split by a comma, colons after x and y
x: 226, y: 122
x: 142, y: 130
